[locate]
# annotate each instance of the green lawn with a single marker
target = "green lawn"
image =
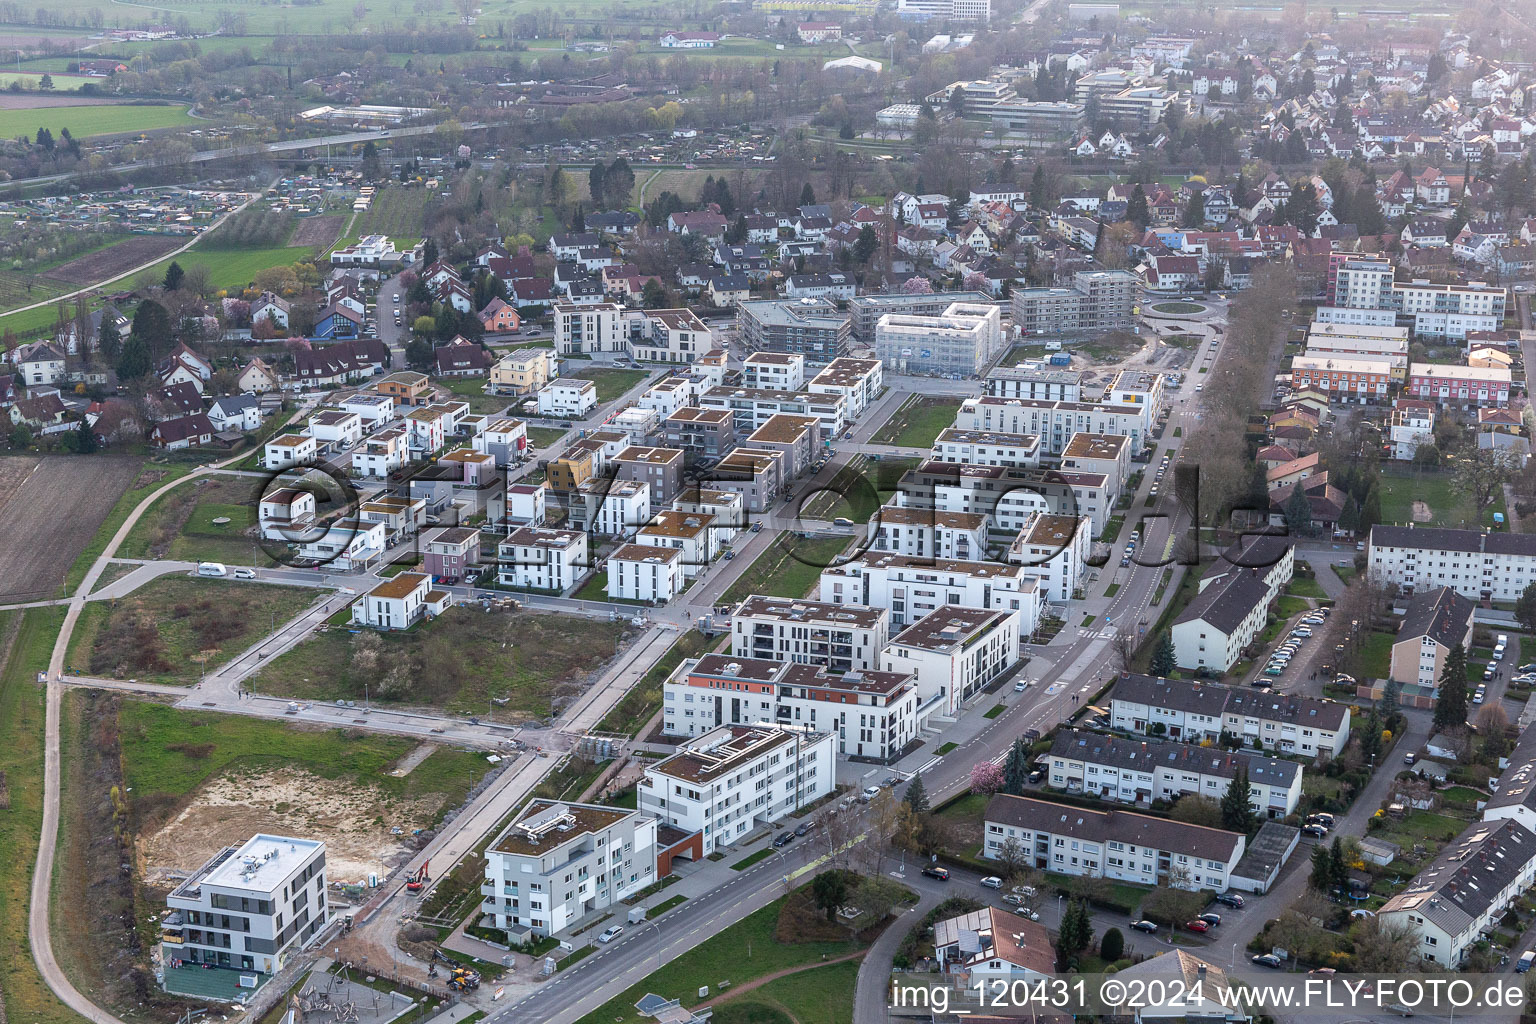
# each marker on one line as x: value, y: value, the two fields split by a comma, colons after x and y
x: 740, y: 953
x: 181, y: 523
x: 919, y: 420
x: 167, y: 753
x: 752, y: 858
x: 1303, y: 586
x: 235, y: 268
x: 167, y: 630
x: 458, y: 661
x: 1376, y: 656
x: 1286, y: 606
x: 789, y: 568
x: 1345, y: 572
x: 1178, y: 308
x: 947, y: 747
x: 92, y: 119
x: 542, y: 437
x: 820, y: 994
x: 1112, y: 590
x: 665, y: 905
x: 472, y: 390
x: 1401, y: 486
x: 610, y: 383
x: 995, y: 710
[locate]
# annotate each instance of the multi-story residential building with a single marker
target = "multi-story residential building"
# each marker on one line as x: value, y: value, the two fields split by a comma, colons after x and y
x: 661, y: 468
x: 1459, y: 385
x: 1187, y: 709
x: 1141, y: 771
x: 589, y: 328
x: 911, y: 588
x: 666, y: 335
x: 450, y: 550
x: 1007, y: 497
x: 962, y: 339
x: 840, y: 639
x: 1343, y: 378
x: 874, y: 715
x: 610, y: 507
x: 1480, y: 566
x: 345, y: 545
x: 541, y: 559
x: 752, y: 407
x: 1390, y: 343
x: 374, y: 409
x: 289, y: 450
x: 505, y: 440
x: 1054, y: 550
x: 382, y: 454
x: 401, y: 516
x: 1437, y: 621
x: 1453, y: 904
x: 925, y: 533
x: 1041, y: 384
x: 559, y: 863
x: 1367, y: 284
x: 857, y: 381
x: 1106, y: 454
x: 527, y: 504
x: 987, y: 448
x: 644, y: 572
x: 813, y: 328
x: 1412, y: 423
x: 400, y: 602
x: 336, y: 430
x: 774, y: 371
x: 1514, y: 792
x: 865, y: 311
x: 736, y: 778
x: 1055, y: 422
x: 1112, y: 844
x: 691, y: 534
x: 954, y: 652
x: 795, y: 436
x: 1213, y: 630
x: 945, y: 10
x: 406, y: 389
x: 1098, y: 301
x: 521, y: 371
x: 248, y: 908
x: 568, y: 396
x: 286, y: 513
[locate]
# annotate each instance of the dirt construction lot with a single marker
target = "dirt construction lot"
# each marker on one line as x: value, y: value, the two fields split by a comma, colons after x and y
x: 317, y: 231
x: 54, y: 508
x: 115, y: 259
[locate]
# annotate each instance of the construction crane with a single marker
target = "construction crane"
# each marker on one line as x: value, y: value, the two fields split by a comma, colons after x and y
x: 416, y: 882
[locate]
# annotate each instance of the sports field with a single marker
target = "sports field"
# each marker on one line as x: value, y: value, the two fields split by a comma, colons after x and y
x: 91, y: 119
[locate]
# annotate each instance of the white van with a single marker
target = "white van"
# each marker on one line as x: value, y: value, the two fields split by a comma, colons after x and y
x: 211, y: 569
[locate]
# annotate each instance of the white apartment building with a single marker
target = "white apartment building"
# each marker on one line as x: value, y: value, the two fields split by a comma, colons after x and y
x: 505, y: 439
x: 382, y: 454
x: 401, y: 517
x: 372, y: 408
x: 1135, y: 387
x: 1037, y: 383
x: 345, y: 545
x: 289, y: 450
x: 753, y: 407
x: 589, y: 328
x: 1184, y: 709
x: 1055, y: 422
x: 1054, y: 550
x: 1007, y: 497
x: 541, y: 559
x: 954, y: 652
x: 666, y: 335
x: 987, y: 448
x: 612, y: 507
x: 962, y: 339
x: 1112, y: 844
x: 335, y: 429
x: 910, y: 588
x: 1106, y: 454
x: 1481, y: 566
x: 567, y: 396
x: 643, y: 572
x: 838, y: 638
x: 1463, y: 895
x: 925, y: 533
x: 400, y: 602
x: 1412, y: 423
x: 873, y: 714
x: 426, y: 429
x: 1390, y: 343
x: 734, y: 779
x: 690, y: 534
x: 559, y: 863
x: 1140, y: 771
x: 774, y: 371
x: 1226, y: 616
x: 286, y: 513
x: 247, y: 908
x: 857, y: 381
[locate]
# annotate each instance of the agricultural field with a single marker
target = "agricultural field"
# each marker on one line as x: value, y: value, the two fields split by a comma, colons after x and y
x: 171, y: 630
x: 199, y: 782
x: 398, y: 212
x: 459, y: 661
x: 118, y: 258
x: 29, y: 80
x: 49, y: 510
x: 319, y: 232
x: 236, y: 268
x: 88, y: 120
x: 184, y: 524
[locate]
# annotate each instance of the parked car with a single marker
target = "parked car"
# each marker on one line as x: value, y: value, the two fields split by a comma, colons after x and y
x: 1150, y: 927
x: 1036, y: 776
x: 991, y: 882
x: 1231, y: 899
x: 1410, y: 758
x: 942, y: 874
x: 1013, y: 901
x: 1211, y: 919
x: 1268, y: 960
x: 1198, y: 925
x: 613, y: 932
x: 1314, y: 831
x: 1322, y: 818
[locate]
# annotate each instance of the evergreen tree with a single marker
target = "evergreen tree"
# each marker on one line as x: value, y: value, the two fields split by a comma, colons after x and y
x: 428, y: 253
x: 1112, y: 946
x: 1338, y: 865
x: 1298, y: 513
x: 595, y: 182
x: 1016, y: 768
x: 174, y: 276
x: 578, y: 221
x: 1039, y: 197
x: 108, y: 340
x: 134, y: 362
x: 1136, y: 210
x: 917, y: 796
x: 1321, y: 877
x: 737, y: 232
x: 1525, y: 607
x: 1349, y: 519
x: 865, y: 245
x: 1451, y: 705
x: 1163, y: 657
x: 85, y: 439
x: 1370, y: 509
x: 1392, y: 694
x: 1236, y: 812
x: 807, y: 195
x: 619, y: 184
x: 152, y: 326
x: 1304, y: 208
x: 653, y: 295
x: 1194, y: 210
x: 1076, y: 931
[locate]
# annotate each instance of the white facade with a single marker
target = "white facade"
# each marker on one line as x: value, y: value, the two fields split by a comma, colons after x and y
x: 910, y: 588
x: 640, y: 572
x: 734, y: 779
x: 384, y: 452
x: 961, y: 340
x: 542, y: 559
x: 924, y: 533
x: 809, y: 633
x: 954, y: 652
x: 1054, y: 550
x: 289, y: 450
x: 397, y: 603
x: 776, y: 371
x: 987, y: 448
x: 346, y: 545
x: 567, y: 397
x: 584, y: 329
x: 249, y: 907
x: 858, y: 381
x: 1055, y: 422
x: 285, y: 513
x: 340, y: 430
x: 1493, y: 566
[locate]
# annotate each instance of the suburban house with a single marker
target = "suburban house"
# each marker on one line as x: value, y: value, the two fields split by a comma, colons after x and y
x: 1437, y: 621
x: 992, y: 944
x: 401, y: 602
